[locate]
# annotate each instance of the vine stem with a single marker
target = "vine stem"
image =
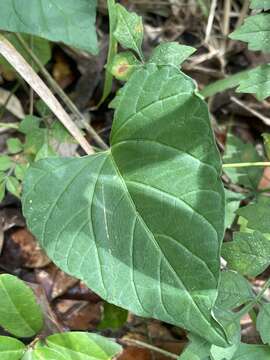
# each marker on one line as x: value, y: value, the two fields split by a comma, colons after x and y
x: 150, y: 347
x: 247, y: 164
x: 59, y: 91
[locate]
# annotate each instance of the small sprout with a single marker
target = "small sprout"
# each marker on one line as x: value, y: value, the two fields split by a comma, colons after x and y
x: 123, y: 65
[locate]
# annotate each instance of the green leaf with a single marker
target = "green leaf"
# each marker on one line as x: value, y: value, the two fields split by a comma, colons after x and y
x: 197, y: 349
x: 156, y: 194
x: 129, y: 29
x: 234, y: 291
x: 77, y: 345
x: 5, y: 162
x: 171, y: 53
x: 14, y: 145
x: 237, y: 152
x: 123, y: 65
x: 57, y: 20
x: 232, y: 202
x: 263, y: 323
x: 255, y: 32
x: 40, y: 47
x: 13, y: 186
x: 11, y: 349
x: 260, y: 4
x: 20, y: 315
x: 248, y: 253
x: 113, y: 317
x: 257, y: 82
x: 251, y: 352
x: 44, y: 152
x: 266, y: 139
x: 257, y: 215
x: 2, y: 190
x: 20, y: 171
x: 29, y: 124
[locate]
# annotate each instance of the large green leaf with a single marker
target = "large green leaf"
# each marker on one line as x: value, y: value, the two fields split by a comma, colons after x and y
x: 260, y: 4
x: 69, y: 21
x: 263, y: 323
x: 251, y: 352
x: 11, y: 349
x: 257, y: 82
x: 145, y: 219
x: 255, y: 32
x: 197, y: 349
x: 19, y: 313
x: 76, y: 345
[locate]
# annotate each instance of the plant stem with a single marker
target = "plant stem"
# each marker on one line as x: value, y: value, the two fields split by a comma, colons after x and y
x: 58, y: 90
x: 247, y: 164
x: 150, y: 347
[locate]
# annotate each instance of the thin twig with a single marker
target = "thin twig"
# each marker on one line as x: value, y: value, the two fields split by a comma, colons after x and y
x: 210, y: 20
x: 58, y: 90
x: 247, y: 164
x: 150, y: 347
x: 8, y: 51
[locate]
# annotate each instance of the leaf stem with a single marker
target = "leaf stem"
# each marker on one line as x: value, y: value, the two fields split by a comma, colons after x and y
x: 247, y: 164
x: 58, y: 90
x: 150, y: 347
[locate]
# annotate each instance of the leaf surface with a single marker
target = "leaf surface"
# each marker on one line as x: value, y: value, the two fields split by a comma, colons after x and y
x: 147, y: 216
x: 11, y: 349
x: 69, y: 21
x: 251, y: 352
x: 255, y: 31
x: 263, y: 323
x: 257, y: 82
x: 260, y: 4
x: 20, y: 315
x: 171, y: 53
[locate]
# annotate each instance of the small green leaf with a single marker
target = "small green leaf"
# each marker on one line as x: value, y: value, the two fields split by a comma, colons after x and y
x: 2, y: 190
x: 252, y: 352
x: 129, y: 29
x: 232, y: 202
x: 113, y: 317
x: 20, y: 315
x: 77, y: 345
x: 255, y: 32
x: 14, y: 145
x: 44, y: 152
x: 237, y: 152
x: 29, y: 124
x: 11, y: 349
x: 263, y: 323
x: 20, y: 171
x: 5, y: 162
x: 171, y: 53
x: 266, y: 139
x: 234, y: 291
x: 257, y: 215
x: 60, y: 133
x: 13, y: 186
x: 197, y: 349
x: 69, y: 21
x: 260, y: 4
x: 248, y: 253
x: 123, y: 65
x: 257, y: 82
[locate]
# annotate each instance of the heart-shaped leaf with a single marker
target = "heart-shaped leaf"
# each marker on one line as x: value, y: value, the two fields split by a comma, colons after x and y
x: 141, y: 223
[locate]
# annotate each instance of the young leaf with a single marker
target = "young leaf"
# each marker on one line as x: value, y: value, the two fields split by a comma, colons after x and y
x: 128, y: 200
x: 13, y: 186
x: 248, y: 253
x: 113, y: 317
x: 11, y: 349
x: 123, y: 65
x: 2, y: 190
x: 14, y: 145
x: 257, y: 215
x: 171, y: 53
x: 20, y: 315
x: 260, y: 4
x: 263, y: 323
x: 255, y: 32
x: 257, y: 82
x: 236, y: 152
x: 57, y: 20
x: 20, y: 171
x: 129, y: 30
x: 197, y: 349
x: 5, y: 162
x: 77, y: 345
x: 234, y: 291
x: 266, y: 139
x: 232, y: 202
x: 251, y: 352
